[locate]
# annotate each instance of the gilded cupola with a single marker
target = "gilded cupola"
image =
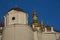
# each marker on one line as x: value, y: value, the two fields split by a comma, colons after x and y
x: 35, y: 22
x: 41, y: 25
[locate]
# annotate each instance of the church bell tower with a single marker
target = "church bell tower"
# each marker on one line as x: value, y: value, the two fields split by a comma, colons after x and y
x: 16, y: 26
x: 16, y: 16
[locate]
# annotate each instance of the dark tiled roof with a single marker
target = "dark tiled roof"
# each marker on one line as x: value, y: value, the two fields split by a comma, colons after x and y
x: 17, y: 9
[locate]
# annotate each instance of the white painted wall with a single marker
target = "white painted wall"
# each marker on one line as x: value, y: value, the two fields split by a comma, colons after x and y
x: 20, y: 17
x: 58, y: 35
x: 39, y: 36
x: 35, y: 35
x: 18, y: 32
x: 48, y: 36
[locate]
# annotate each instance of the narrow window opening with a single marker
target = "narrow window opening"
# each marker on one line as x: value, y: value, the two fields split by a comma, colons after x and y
x: 13, y: 18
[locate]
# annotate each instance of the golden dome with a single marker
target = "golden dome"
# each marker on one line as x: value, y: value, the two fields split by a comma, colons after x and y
x: 35, y: 22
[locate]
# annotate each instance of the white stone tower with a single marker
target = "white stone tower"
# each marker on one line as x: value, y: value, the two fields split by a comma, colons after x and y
x: 16, y: 26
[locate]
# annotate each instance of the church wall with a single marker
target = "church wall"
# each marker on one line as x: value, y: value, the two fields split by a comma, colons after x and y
x: 8, y: 33
x: 39, y: 36
x: 18, y: 32
x: 23, y: 18
x: 20, y: 17
x: 48, y: 36
x: 57, y: 36
x: 35, y: 35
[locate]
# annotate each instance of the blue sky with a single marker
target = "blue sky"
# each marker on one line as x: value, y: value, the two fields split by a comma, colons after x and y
x: 47, y: 10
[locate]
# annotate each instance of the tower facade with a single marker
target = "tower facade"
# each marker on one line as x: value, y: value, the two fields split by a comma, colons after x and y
x: 16, y: 26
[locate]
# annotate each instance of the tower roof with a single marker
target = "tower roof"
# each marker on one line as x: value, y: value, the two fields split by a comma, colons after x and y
x: 17, y: 9
x: 48, y: 28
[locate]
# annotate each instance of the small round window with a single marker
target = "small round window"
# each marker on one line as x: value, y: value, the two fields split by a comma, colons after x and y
x: 13, y: 18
